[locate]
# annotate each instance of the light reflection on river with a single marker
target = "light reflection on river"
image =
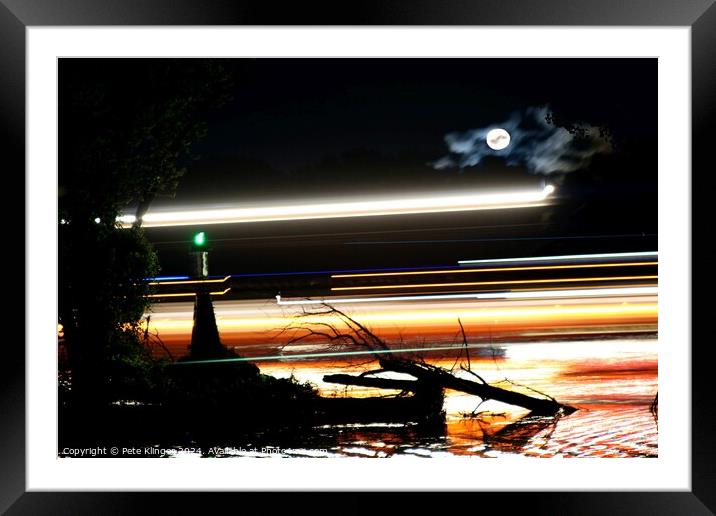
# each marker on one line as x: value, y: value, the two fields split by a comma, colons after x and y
x: 612, y: 381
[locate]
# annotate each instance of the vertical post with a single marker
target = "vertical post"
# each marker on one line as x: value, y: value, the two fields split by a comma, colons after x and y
x: 201, y: 264
x: 201, y: 255
x: 205, y: 339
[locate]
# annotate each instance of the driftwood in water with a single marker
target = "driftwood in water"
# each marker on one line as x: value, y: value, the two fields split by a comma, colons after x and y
x: 369, y: 381
x: 434, y: 377
x: 428, y: 377
x: 438, y: 376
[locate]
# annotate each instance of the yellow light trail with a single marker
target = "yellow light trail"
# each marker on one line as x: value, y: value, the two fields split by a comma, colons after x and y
x: 421, y: 318
x: 187, y: 282
x: 499, y: 269
x: 188, y: 294
x: 524, y: 294
x: 511, y: 282
x: 595, y: 287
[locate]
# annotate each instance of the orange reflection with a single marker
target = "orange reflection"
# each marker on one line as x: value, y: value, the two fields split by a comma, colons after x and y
x: 511, y: 282
x: 498, y: 269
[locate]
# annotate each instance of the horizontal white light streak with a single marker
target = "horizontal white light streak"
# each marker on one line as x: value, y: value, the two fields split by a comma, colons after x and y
x: 188, y: 294
x: 296, y: 356
x: 367, y: 208
x: 498, y: 269
x: 648, y: 254
x: 541, y: 294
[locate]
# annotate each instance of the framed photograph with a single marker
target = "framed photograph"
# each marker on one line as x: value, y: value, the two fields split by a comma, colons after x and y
x: 397, y: 250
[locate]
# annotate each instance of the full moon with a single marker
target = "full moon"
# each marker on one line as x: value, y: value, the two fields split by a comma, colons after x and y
x: 498, y: 139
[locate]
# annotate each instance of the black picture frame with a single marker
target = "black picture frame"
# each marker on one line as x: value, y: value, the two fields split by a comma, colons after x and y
x: 700, y: 15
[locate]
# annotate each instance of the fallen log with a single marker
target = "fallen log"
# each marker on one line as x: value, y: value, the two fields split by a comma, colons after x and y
x: 368, y: 381
x: 431, y: 376
x: 485, y: 391
x: 538, y: 406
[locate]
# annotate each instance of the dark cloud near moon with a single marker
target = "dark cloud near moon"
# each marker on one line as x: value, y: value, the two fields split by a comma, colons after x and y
x: 535, y: 143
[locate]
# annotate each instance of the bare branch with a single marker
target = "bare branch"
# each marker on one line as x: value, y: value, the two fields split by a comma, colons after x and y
x: 372, y: 372
x: 428, y: 376
x: 473, y: 373
x: 464, y: 341
x: 507, y: 380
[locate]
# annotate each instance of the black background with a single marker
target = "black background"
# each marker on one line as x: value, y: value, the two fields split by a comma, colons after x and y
x: 701, y: 15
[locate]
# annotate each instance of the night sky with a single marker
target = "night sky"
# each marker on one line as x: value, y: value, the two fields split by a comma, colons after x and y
x: 344, y: 126
x: 303, y: 129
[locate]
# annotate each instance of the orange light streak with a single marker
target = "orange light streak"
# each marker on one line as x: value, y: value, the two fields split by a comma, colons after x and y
x: 545, y: 315
x: 500, y: 269
x: 187, y: 282
x: 189, y: 294
x: 511, y: 282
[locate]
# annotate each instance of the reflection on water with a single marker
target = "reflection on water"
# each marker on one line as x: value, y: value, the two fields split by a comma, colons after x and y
x: 593, y: 431
x: 611, y: 381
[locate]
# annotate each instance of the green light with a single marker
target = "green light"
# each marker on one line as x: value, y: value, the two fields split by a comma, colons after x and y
x: 200, y: 239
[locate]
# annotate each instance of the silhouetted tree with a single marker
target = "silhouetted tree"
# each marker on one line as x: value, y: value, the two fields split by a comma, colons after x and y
x: 126, y: 128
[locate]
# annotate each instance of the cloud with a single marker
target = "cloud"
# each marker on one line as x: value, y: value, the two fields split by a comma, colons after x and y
x: 535, y: 143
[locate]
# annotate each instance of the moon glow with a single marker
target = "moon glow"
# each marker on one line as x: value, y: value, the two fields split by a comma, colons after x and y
x: 497, y: 139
